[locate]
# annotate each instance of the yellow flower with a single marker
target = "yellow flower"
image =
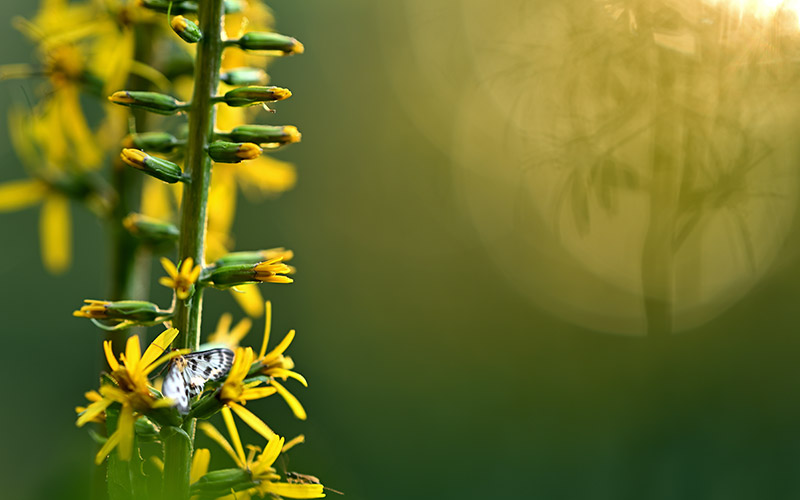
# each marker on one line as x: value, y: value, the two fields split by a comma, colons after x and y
x: 276, y: 365
x: 227, y: 336
x: 132, y: 390
x: 93, y: 397
x: 235, y: 393
x: 259, y: 466
x: 181, y: 280
x: 272, y: 271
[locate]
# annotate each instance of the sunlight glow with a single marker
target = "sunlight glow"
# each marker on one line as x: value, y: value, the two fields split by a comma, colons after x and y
x: 764, y: 10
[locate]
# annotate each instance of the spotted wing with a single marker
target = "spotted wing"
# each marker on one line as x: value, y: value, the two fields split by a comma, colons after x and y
x: 176, y: 386
x: 188, y: 375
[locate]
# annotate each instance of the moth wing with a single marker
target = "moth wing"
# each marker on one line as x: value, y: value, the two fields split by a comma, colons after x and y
x: 212, y: 364
x: 176, y: 387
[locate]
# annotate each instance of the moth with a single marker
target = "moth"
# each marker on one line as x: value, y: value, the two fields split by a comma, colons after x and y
x: 187, y: 375
x: 297, y: 478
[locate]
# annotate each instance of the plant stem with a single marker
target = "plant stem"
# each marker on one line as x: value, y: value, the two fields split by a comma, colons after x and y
x: 178, y: 450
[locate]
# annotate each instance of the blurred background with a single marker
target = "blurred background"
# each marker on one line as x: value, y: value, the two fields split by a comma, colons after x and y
x: 544, y: 249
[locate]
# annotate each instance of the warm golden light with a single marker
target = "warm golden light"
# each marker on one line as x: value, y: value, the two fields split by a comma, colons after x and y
x: 763, y: 10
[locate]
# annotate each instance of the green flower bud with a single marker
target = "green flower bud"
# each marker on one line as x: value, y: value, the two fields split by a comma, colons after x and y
x: 270, y: 271
x: 264, y: 134
x: 244, y: 76
x: 256, y: 40
x: 157, y: 142
x: 149, y: 101
x: 233, y: 152
x: 137, y: 311
x: 186, y: 29
x: 247, y: 96
x: 220, y: 482
x: 145, y: 429
x: 254, y: 257
x: 159, y: 168
x: 150, y: 230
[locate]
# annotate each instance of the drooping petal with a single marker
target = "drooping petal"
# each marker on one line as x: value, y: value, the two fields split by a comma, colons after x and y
x: 291, y: 490
x: 249, y: 298
x: 158, y: 346
x: 270, y: 454
x: 233, y: 433
x: 258, y: 393
x: 292, y: 401
x: 125, y: 428
x: 200, y: 461
x: 299, y: 439
x: 217, y: 437
x: 284, y: 374
x: 16, y: 195
x: 252, y: 421
x: 111, y: 442
x: 55, y: 231
x: 267, y: 328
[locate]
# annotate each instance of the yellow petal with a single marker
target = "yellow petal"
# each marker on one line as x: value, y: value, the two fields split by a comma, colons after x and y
x: 273, y: 354
x: 170, y: 268
x: 293, y: 442
x: 233, y: 433
x: 215, y: 435
x: 156, y: 199
x: 267, y: 328
x: 172, y: 355
x: 294, y: 490
x: 15, y: 195
x: 125, y: 428
x: 258, y: 393
x: 270, y: 454
x: 200, y: 462
x: 249, y: 298
x: 133, y: 353
x: 112, y: 361
x: 292, y: 401
x: 283, y: 373
x: 252, y: 421
x: 55, y: 231
x: 92, y: 411
x: 158, y: 346
x: 111, y: 442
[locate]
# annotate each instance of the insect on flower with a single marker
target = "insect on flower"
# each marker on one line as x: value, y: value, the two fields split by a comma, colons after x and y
x: 188, y: 374
x: 297, y: 478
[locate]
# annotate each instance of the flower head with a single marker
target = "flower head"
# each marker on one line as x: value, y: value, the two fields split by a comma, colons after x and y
x: 181, y: 280
x: 235, y: 392
x: 259, y: 464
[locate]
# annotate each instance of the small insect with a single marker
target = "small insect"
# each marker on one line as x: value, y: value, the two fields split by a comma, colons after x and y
x: 187, y: 375
x: 297, y: 478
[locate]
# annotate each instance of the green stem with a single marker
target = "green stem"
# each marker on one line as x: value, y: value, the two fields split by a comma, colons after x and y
x: 178, y: 446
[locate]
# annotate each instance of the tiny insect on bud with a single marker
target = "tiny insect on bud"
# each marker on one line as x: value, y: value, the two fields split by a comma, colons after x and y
x: 265, y: 134
x: 159, y: 168
x: 233, y: 152
x: 186, y: 29
x: 248, y: 96
x: 256, y: 40
x: 244, y: 76
x: 149, y: 101
x: 157, y: 142
x: 149, y: 230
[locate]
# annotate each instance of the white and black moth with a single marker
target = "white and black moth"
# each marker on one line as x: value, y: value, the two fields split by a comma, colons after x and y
x: 188, y: 374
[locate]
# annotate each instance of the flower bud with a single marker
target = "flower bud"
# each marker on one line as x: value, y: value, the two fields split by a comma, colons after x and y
x: 254, y: 257
x: 157, y: 142
x: 159, y: 168
x: 149, y: 101
x: 244, y: 76
x: 270, y: 271
x: 186, y: 29
x: 137, y: 311
x: 150, y: 230
x: 265, y: 134
x: 221, y: 482
x: 247, y: 96
x: 257, y: 40
x: 233, y: 152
